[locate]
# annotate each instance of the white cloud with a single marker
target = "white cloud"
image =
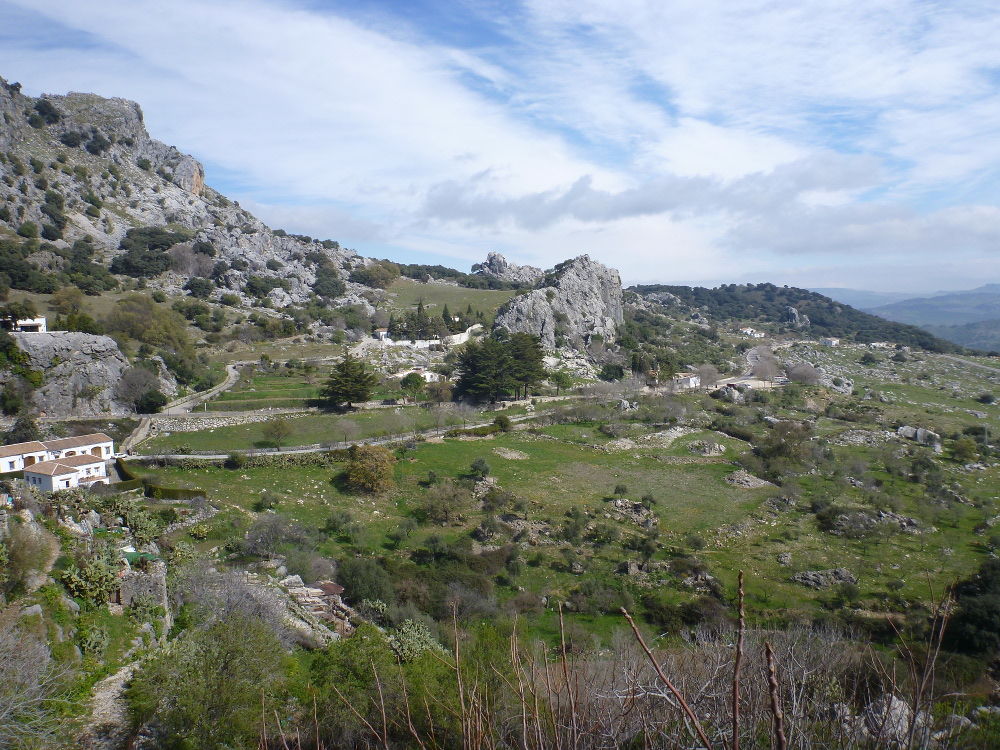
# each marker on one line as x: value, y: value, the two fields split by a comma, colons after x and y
x: 668, y: 138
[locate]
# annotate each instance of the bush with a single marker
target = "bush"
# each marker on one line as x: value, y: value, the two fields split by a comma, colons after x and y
x: 378, y: 275
x: 151, y: 402
x: 71, y: 139
x: 235, y: 460
x: 363, y: 578
x: 28, y: 230
x: 199, y: 287
x: 480, y: 467
x: 371, y: 468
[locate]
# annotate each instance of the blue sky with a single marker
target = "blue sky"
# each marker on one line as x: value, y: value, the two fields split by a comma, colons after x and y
x: 816, y: 144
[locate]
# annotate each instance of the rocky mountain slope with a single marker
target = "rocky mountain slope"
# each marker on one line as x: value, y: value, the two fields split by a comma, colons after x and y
x: 788, y: 309
x: 499, y: 267
x: 81, y: 165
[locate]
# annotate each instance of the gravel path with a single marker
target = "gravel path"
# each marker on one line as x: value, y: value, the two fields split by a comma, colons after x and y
x: 108, y: 725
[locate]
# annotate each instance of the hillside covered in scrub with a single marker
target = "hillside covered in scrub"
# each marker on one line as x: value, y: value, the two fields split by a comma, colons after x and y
x: 792, y: 309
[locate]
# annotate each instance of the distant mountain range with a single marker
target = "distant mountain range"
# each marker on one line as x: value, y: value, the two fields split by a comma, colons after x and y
x: 951, y: 309
x: 970, y: 318
x: 863, y: 299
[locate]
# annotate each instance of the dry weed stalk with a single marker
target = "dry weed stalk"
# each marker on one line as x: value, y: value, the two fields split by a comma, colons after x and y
x: 788, y: 686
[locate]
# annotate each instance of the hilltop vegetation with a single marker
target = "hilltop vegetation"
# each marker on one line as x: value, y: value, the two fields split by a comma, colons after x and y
x: 767, y: 303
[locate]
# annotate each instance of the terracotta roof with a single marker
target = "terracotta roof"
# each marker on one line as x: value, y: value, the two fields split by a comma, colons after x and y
x: 75, y: 442
x: 18, y: 448
x: 50, y: 469
x: 61, y: 466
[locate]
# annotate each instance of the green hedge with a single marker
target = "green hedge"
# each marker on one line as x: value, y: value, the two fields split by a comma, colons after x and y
x: 124, y: 471
x: 154, y: 490
x: 487, y: 429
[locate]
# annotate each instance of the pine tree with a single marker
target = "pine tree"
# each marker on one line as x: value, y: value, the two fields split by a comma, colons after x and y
x: 349, y: 382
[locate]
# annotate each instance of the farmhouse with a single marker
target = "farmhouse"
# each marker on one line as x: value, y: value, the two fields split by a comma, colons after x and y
x: 23, y: 455
x: 686, y: 381
x: 63, y: 473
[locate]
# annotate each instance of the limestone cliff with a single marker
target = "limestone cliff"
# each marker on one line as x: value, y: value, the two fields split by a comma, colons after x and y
x: 80, y: 372
x: 499, y: 267
x: 96, y: 157
x: 578, y: 299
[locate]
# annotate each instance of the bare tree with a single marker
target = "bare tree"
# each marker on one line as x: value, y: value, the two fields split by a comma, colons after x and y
x: 29, y: 681
x: 767, y: 369
x: 134, y: 383
x: 190, y: 263
x: 277, y: 430
x: 803, y: 372
x: 348, y: 428
x: 708, y: 374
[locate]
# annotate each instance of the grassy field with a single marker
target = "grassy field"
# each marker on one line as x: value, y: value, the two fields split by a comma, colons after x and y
x: 408, y: 292
x: 771, y: 533
x: 308, y: 429
x: 254, y: 392
x: 555, y: 473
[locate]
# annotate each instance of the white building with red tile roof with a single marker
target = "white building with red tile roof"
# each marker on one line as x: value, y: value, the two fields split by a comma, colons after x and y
x: 21, y: 456
x: 63, y: 473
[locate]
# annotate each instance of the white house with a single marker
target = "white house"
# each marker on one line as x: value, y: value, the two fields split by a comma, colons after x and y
x: 23, y: 455
x: 73, y: 471
x: 18, y: 456
x: 96, y: 444
x: 28, y: 325
x: 427, y: 375
x: 686, y: 381
x: 829, y: 342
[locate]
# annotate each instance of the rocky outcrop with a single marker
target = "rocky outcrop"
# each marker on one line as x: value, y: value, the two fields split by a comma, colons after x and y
x: 499, y: 267
x: 797, y: 319
x: 190, y: 175
x: 821, y: 579
x: 578, y: 299
x: 79, y: 373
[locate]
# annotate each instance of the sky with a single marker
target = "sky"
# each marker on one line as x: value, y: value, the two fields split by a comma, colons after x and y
x: 840, y: 143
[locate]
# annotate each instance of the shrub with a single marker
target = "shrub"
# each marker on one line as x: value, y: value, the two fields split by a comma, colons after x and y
x: 480, y: 467
x: 71, y: 139
x: 151, y: 402
x: 371, y: 468
x: 199, y: 287
x: 28, y: 229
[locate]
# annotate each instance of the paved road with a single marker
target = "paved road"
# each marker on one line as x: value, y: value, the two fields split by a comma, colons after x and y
x: 187, y: 403
x: 180, y: 406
